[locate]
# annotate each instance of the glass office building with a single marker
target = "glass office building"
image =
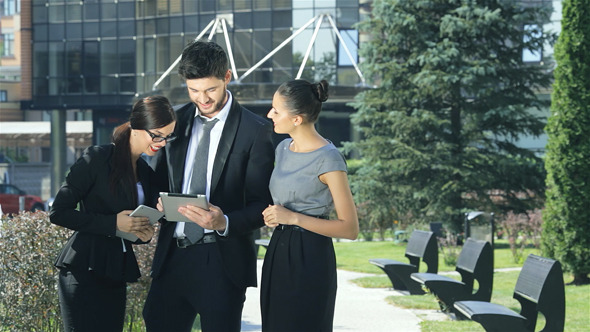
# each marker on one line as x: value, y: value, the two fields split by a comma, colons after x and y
x: 100, y: 55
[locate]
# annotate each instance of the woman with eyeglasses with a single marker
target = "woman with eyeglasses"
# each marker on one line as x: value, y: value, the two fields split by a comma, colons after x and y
x: 102, y: 188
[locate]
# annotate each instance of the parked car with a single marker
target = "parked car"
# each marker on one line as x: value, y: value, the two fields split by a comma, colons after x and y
x: 9, y: 200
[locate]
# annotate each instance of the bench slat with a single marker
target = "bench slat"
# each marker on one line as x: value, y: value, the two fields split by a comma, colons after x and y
x: 472, y: 308
x: 475, y: 262
x: 533, y: 274
x: 421, y: 246
x: 383, y: 262
x: 539, y: 288
x: 425, y: 278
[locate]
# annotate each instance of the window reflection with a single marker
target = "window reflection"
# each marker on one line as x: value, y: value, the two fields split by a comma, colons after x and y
x: 122, y: 47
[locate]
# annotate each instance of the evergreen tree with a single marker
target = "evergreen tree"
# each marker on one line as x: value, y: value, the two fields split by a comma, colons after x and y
x: 566, y: 218
x: 452, y: 97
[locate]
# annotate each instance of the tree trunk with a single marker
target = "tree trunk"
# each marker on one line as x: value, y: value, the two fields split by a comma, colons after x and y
x: 580, y: 279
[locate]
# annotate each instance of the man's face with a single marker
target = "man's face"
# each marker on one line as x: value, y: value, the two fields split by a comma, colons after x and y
x: 209, y: 94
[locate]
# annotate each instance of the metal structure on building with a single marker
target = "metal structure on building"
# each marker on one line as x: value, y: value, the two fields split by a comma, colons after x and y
x: 214, y: 24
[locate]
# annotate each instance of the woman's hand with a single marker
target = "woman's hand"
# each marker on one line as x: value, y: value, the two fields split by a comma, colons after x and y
x: 128, y: 224
x: 278, y: 214
x: 146, y: 233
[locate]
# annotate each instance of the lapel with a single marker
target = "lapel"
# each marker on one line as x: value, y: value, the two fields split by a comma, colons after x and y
x: 228, y: 135
x: 177, y: 150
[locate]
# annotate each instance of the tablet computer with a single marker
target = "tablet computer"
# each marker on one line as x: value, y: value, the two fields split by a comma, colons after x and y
x: 172, y: 201
x: 145, y: 211
x: 141, y: 211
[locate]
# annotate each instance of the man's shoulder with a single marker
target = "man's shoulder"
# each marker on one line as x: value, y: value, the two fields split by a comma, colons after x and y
x: 184, y: 108
x: 251, y: 117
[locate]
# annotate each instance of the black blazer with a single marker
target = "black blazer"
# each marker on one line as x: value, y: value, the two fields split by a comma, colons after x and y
x: 239, y: 186
x: 94, y: 245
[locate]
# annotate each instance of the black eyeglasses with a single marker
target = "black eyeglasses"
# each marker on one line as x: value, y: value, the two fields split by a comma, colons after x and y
x: 159, y: 139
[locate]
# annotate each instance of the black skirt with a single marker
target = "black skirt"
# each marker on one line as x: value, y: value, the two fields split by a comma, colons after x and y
x: 298, y: 290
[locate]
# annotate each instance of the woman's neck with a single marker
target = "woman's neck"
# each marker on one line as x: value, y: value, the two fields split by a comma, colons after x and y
x: 306, y: 139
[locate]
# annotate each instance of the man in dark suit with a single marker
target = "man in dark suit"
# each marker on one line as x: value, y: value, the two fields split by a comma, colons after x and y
x: 210, y: 277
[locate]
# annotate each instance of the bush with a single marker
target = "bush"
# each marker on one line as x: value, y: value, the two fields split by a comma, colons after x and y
x: 449, y: 247
x: 28, y: 279
x: 522, y: 230
x: 137, y: 292
x: 566, y: 230
x: 28, y: 287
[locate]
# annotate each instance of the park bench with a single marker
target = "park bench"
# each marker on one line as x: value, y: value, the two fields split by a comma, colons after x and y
x: 475, y: 264
x: 422, y: 247
x: 262, y: 242
x: 539, y: 288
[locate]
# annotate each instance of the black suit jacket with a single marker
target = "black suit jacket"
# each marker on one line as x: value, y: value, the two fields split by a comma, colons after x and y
x: 239, y: 186
x: 94, y: 245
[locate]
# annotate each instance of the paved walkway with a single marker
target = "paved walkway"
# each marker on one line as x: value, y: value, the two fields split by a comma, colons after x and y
x: 357, y: 308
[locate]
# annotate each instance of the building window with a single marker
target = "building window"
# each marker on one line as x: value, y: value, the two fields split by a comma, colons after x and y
x: 532, y: 54
x: 350, y: 38
x: 7, y: 44
x: 10, y: 7
x: 3, y: 96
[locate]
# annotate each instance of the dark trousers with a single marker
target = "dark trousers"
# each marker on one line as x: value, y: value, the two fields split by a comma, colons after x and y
x: 91, y: 303
x: 193, y: 282
x: 299, y: 282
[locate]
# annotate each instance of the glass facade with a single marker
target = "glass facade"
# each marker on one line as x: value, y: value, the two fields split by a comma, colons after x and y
x: 99, y: 54
x: 83, y: 54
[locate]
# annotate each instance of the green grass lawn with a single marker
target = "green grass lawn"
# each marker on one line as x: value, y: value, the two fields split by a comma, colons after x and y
x: 354, y: 256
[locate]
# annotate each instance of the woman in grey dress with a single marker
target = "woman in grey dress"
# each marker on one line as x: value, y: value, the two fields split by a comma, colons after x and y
x: 298, y: 289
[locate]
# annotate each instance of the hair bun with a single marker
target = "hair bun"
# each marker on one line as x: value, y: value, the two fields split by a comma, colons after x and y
x: 322, y: 90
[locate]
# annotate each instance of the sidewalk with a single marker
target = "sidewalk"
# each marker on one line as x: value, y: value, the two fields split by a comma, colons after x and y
x: 357, y: 308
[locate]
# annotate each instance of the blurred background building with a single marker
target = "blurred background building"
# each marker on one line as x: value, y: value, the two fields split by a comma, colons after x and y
x: 95, y: 57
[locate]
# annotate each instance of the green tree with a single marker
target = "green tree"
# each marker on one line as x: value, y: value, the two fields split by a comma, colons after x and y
x: 566, y: 218
x: 452, y: 97
x: 324, y: 69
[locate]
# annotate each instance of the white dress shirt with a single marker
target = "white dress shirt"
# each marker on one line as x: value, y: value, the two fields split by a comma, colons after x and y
x: 196, y: 134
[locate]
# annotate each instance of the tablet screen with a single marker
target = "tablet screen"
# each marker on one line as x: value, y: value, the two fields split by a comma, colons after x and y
x: 172, y: 201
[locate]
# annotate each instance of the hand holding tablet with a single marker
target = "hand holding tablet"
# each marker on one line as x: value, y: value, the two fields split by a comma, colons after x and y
x: 146, y: 211
x: 141, y: 211
x: 172, y: 201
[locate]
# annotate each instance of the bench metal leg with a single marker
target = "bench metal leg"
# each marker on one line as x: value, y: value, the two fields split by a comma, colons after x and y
x: 401, y: 276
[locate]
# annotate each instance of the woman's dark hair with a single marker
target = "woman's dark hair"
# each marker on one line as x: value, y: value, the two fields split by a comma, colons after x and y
x: 304, y: 98
x: 147, y: 113
x: 202, y: 59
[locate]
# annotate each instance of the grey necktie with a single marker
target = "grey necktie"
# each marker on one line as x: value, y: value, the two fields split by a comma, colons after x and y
x: 192, y: 231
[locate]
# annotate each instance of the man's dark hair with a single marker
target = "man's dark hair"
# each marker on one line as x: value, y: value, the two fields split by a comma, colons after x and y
x: 201, y: 59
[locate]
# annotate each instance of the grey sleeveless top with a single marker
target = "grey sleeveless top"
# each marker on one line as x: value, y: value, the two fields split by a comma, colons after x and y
x: 295, y: 182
